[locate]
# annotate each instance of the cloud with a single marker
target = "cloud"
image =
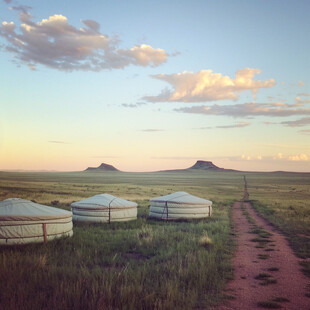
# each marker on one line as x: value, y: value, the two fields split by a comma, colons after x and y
x: 248, y: 158
x: 208, y: 86
x: 144, y: 55
x: 247, y: 110
x: 269, y: 123
x: 301, y: 101
x: 21, y: 8
x: 129, y: 105
x: 58, y: 142
x: 301, y: 83
x: 297, y: 123
x: 56, y: 44
x: 7, y: 1
x: 151, y: 130
x: 299, y: 157
x: 132, y: 105
x: 278, y: 156
x: 237, y: 125
x: 305, y: 131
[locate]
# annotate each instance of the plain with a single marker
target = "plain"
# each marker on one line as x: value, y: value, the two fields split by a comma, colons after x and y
x: 143, y: 264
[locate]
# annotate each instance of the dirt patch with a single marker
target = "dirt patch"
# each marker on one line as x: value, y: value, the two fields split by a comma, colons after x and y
x: 266, y: 270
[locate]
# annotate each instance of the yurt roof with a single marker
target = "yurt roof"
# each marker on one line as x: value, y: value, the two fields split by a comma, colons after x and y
x: 103, y: 201
x: 14, y: 209
x: 182, y: 198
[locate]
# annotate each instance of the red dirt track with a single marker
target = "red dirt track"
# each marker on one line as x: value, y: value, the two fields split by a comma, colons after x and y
x: 248, y: 291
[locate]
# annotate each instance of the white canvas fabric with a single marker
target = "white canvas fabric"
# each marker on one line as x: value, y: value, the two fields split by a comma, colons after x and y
x: 23, y: 221
x: 104, y: 208
x: 180, y: 205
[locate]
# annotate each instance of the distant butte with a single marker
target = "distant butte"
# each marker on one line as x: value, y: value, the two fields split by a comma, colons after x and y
x: 205, y: 165
x: 102, y: 167
x: 199, y: 165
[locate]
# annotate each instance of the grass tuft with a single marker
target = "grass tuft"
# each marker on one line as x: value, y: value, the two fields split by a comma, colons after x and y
x: 273, y: 269
x: 263, y: 256
x: 266, y: 279
x: 281, y: 299
x: 269, y: 305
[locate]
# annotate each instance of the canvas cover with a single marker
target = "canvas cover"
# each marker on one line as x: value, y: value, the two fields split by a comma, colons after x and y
x: 180, y: 205
x: 24, y: 221
x: 103, y: 208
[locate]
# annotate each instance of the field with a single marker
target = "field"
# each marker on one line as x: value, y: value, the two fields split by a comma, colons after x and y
x: 143, y: 264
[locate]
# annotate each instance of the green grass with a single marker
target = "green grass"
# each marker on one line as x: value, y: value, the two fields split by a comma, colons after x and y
x: 283, y: 198
x: 136, y: 265
x: 143, y: 264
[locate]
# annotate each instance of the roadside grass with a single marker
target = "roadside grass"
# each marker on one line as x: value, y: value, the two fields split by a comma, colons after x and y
x: 269, y: 304
x: 281, y: 299
x: 283, y: 198
x: 142, y: 264
x: 265, y: 279
x: 273, y: 269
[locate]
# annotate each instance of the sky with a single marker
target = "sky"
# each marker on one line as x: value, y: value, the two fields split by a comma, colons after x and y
x: 155, y: 85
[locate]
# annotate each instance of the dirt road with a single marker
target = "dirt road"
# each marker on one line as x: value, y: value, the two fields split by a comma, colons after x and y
x: 267, y: 273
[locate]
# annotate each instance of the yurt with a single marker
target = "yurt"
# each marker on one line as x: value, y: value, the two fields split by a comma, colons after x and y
x: 180, y: 205
x: 23, y: 221
x: 104, y: 208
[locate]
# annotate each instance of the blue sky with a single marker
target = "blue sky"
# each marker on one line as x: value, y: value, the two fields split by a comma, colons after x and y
x: 150, y: 85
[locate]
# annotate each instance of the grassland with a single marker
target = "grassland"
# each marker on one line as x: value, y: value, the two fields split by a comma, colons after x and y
x: 143, y: 264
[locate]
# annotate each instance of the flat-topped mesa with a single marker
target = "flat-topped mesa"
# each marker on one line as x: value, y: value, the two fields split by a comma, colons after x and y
x: 205, y: 165
x: 102, y: 167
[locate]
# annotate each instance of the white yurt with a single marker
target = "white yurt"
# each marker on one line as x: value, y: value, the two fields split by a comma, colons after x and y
x: 23, y: 221
x: 104, y: 208
x: 180, y: 205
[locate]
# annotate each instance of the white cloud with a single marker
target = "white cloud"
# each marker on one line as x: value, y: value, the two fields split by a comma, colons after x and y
x: 145, y: 55
x: 299, y: 157
x: 208, y: 86
x: 250, y: 158
x: 278, y: 156
x: 54, y: 43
